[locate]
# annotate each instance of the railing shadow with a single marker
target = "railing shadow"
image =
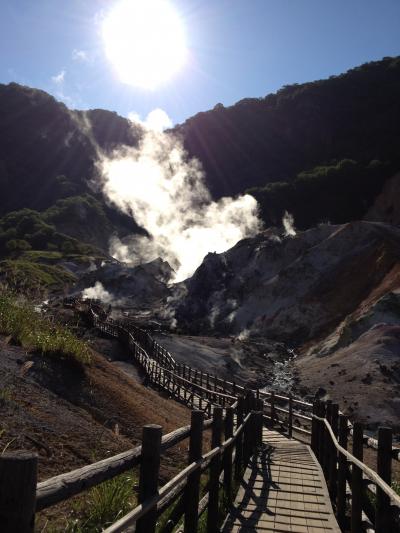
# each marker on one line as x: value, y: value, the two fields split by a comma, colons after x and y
x: 254, y: 503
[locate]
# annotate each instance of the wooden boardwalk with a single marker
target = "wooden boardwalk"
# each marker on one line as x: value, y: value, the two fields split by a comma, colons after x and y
x: 283, y: 490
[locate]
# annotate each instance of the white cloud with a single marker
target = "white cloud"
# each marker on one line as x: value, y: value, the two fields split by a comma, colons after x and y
x: 59, y: 78
x: 80, y: 55
x: 156, y: 120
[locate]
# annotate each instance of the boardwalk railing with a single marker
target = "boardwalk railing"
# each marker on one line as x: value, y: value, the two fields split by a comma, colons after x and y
x: 234, y: 437
x: 362, y: 498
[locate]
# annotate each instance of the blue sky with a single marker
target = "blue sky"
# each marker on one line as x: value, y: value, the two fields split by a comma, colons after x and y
x: 238, y: 49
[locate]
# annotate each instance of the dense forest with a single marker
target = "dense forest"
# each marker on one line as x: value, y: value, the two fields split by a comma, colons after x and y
x: 261, y: 140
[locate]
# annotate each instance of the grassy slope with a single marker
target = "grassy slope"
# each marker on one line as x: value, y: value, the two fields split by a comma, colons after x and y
x: 73, y: 409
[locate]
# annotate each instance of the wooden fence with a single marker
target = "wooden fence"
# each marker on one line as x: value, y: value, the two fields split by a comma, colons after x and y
x: 362, y: 499
x: 235, y: 433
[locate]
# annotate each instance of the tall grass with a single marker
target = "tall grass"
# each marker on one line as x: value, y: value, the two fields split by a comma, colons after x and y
x: 104, y: 505
x: 19, y: 320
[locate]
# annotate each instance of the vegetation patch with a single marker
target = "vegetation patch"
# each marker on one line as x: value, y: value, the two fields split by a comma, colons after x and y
x: 104, y: 505
x: 27, y: 275
x: 26, y: 229
x: 337, y: 192
x: 39, y: 256
x: 34, y: 332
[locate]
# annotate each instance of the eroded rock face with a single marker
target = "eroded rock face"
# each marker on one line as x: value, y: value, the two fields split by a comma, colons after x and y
x: 294, y: 288
x: 364, y: 376
x: 142, y: 284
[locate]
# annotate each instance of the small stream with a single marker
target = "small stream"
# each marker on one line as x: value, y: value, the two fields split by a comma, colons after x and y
x: 282, y: 373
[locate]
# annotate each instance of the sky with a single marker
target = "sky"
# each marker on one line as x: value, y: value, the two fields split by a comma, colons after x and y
x: 234, y: 49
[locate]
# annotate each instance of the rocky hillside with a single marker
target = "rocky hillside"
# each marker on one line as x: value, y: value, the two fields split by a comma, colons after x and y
x: 293, y: 287
x: 331, y: 293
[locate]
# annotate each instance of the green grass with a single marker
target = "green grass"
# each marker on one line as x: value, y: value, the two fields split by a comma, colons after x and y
x: 104, y: 505
x: 40, y: 255
x: 34, y: 332
x: 28, y: 275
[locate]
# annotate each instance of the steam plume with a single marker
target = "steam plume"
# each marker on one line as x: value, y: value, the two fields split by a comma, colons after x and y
x: 165, y: 192
x: 288, y: 224
x: 97, y: 292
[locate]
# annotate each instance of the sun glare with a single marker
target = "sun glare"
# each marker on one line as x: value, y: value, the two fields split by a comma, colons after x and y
x: 145, y: 41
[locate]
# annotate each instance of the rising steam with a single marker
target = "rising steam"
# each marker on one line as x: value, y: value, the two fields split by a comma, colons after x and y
x: 164, y: 191
x: 97, y: 292
x: 288, y: 224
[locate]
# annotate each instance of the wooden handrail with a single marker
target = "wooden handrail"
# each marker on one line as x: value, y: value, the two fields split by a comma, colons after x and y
x: 199, y: 387
x: 368, y: 441
x: 373, y: 476
x: 63, y: 486
x: 131, y: 517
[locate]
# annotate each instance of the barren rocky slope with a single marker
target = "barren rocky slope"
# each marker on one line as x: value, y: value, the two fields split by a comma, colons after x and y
x: 331, y: 293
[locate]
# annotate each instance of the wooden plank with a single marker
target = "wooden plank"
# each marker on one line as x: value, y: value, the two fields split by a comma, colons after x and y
x: 283, y: 489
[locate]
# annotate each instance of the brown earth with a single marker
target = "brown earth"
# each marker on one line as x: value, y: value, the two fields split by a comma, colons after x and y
x: 73, y: 416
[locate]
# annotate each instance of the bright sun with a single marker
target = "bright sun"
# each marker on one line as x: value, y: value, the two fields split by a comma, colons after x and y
x: 145, y: 41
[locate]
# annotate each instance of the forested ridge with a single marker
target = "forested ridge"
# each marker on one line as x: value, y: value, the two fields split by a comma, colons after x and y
x: 320, y: 150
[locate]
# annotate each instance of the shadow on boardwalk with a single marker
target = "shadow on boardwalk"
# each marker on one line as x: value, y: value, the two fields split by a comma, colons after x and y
x: 283, y: 489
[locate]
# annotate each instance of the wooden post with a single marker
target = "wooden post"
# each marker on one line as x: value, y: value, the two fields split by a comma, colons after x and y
x: 18, y: 477
x: 148, y: 478
x: 258, y: 422
x: 239, y: 440
x: 383, y: 522
x: 260, y: 405
x: 321, y: 433
x: 314, y: 429
x: 228, y: 455
x: 215, y: 466
x: 272, y: 400
x: 192, y: 491
x: 341, y: 480
x: 250, y: 396
x: 290, y: 417
x: 250, y: 437
x: 328, y: 442
x: 333, y: 452
x: 356, y: 479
